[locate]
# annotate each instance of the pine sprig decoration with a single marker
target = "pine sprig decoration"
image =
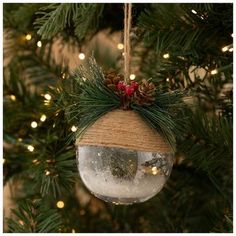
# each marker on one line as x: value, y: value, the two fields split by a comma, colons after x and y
x: 95, y: 94
x: 91, y: 99
x: 164, y: 114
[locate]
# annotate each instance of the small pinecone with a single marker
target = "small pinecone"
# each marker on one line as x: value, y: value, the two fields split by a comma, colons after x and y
x: 145, y: 94
x: 112, y: 79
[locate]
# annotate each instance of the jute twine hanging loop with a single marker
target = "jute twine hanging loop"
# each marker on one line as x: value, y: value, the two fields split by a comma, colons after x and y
x: 127, y: 27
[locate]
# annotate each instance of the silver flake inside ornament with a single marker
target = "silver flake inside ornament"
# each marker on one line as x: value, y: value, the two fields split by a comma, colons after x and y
x: 123, y: 176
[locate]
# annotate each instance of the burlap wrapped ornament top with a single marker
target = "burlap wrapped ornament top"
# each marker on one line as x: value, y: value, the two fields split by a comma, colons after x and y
x: 124, y: 129
x: 122, y: 159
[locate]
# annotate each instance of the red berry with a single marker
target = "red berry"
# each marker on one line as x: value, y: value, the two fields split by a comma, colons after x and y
x: 129, y: 90
x: 134, y: 84
x: 121, y: 85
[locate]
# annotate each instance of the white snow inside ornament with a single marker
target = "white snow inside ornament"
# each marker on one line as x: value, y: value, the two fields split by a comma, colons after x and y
x: 123, y: 160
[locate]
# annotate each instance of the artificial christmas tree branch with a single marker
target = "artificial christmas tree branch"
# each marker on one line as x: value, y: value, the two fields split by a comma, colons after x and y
x: 202, y: 177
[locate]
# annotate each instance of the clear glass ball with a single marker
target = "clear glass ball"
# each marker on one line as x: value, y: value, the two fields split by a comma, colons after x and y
x: 123, y: 176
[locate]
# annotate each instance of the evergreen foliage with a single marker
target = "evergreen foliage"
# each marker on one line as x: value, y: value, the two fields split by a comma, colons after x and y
x: 34, y: 217
x: 58, y: 17
x: 198, y: 194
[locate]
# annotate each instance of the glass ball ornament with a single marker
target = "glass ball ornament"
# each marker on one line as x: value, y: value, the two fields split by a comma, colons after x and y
x: 123, y: 165
x: 123, y: 176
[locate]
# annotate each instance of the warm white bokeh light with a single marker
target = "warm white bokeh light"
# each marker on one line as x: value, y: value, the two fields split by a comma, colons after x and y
x: 81, y: 56
x: 34, y: 124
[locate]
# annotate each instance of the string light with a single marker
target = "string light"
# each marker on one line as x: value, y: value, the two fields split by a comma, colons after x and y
x: 182, y: 58
x: 43, y: 118
x: 167, y: 79
x: 13, y: 97
x: 30, y: 148
x: 194, y: 12
x: 39, y: 44
x: 81, y: 56
x: 155, y: 170
x: 46, y: 102
x: 28, y: 37
x: 132, y: 76
x: 47, y: 96
x: 36, y: 161
x: 47, y: 172
x: 227, y: 48
x: 214, y: 72
x: 19, y: 139
x: 166, y: 56
x: 34, y: 124
x: 21, y: 222
x: 63, y: 76
x: 120, y: 46
x: 73, y: 128
x: 60, y: 204
x: 224, y: 49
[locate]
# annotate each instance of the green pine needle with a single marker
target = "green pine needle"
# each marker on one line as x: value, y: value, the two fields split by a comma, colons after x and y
x: 34, y: 217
